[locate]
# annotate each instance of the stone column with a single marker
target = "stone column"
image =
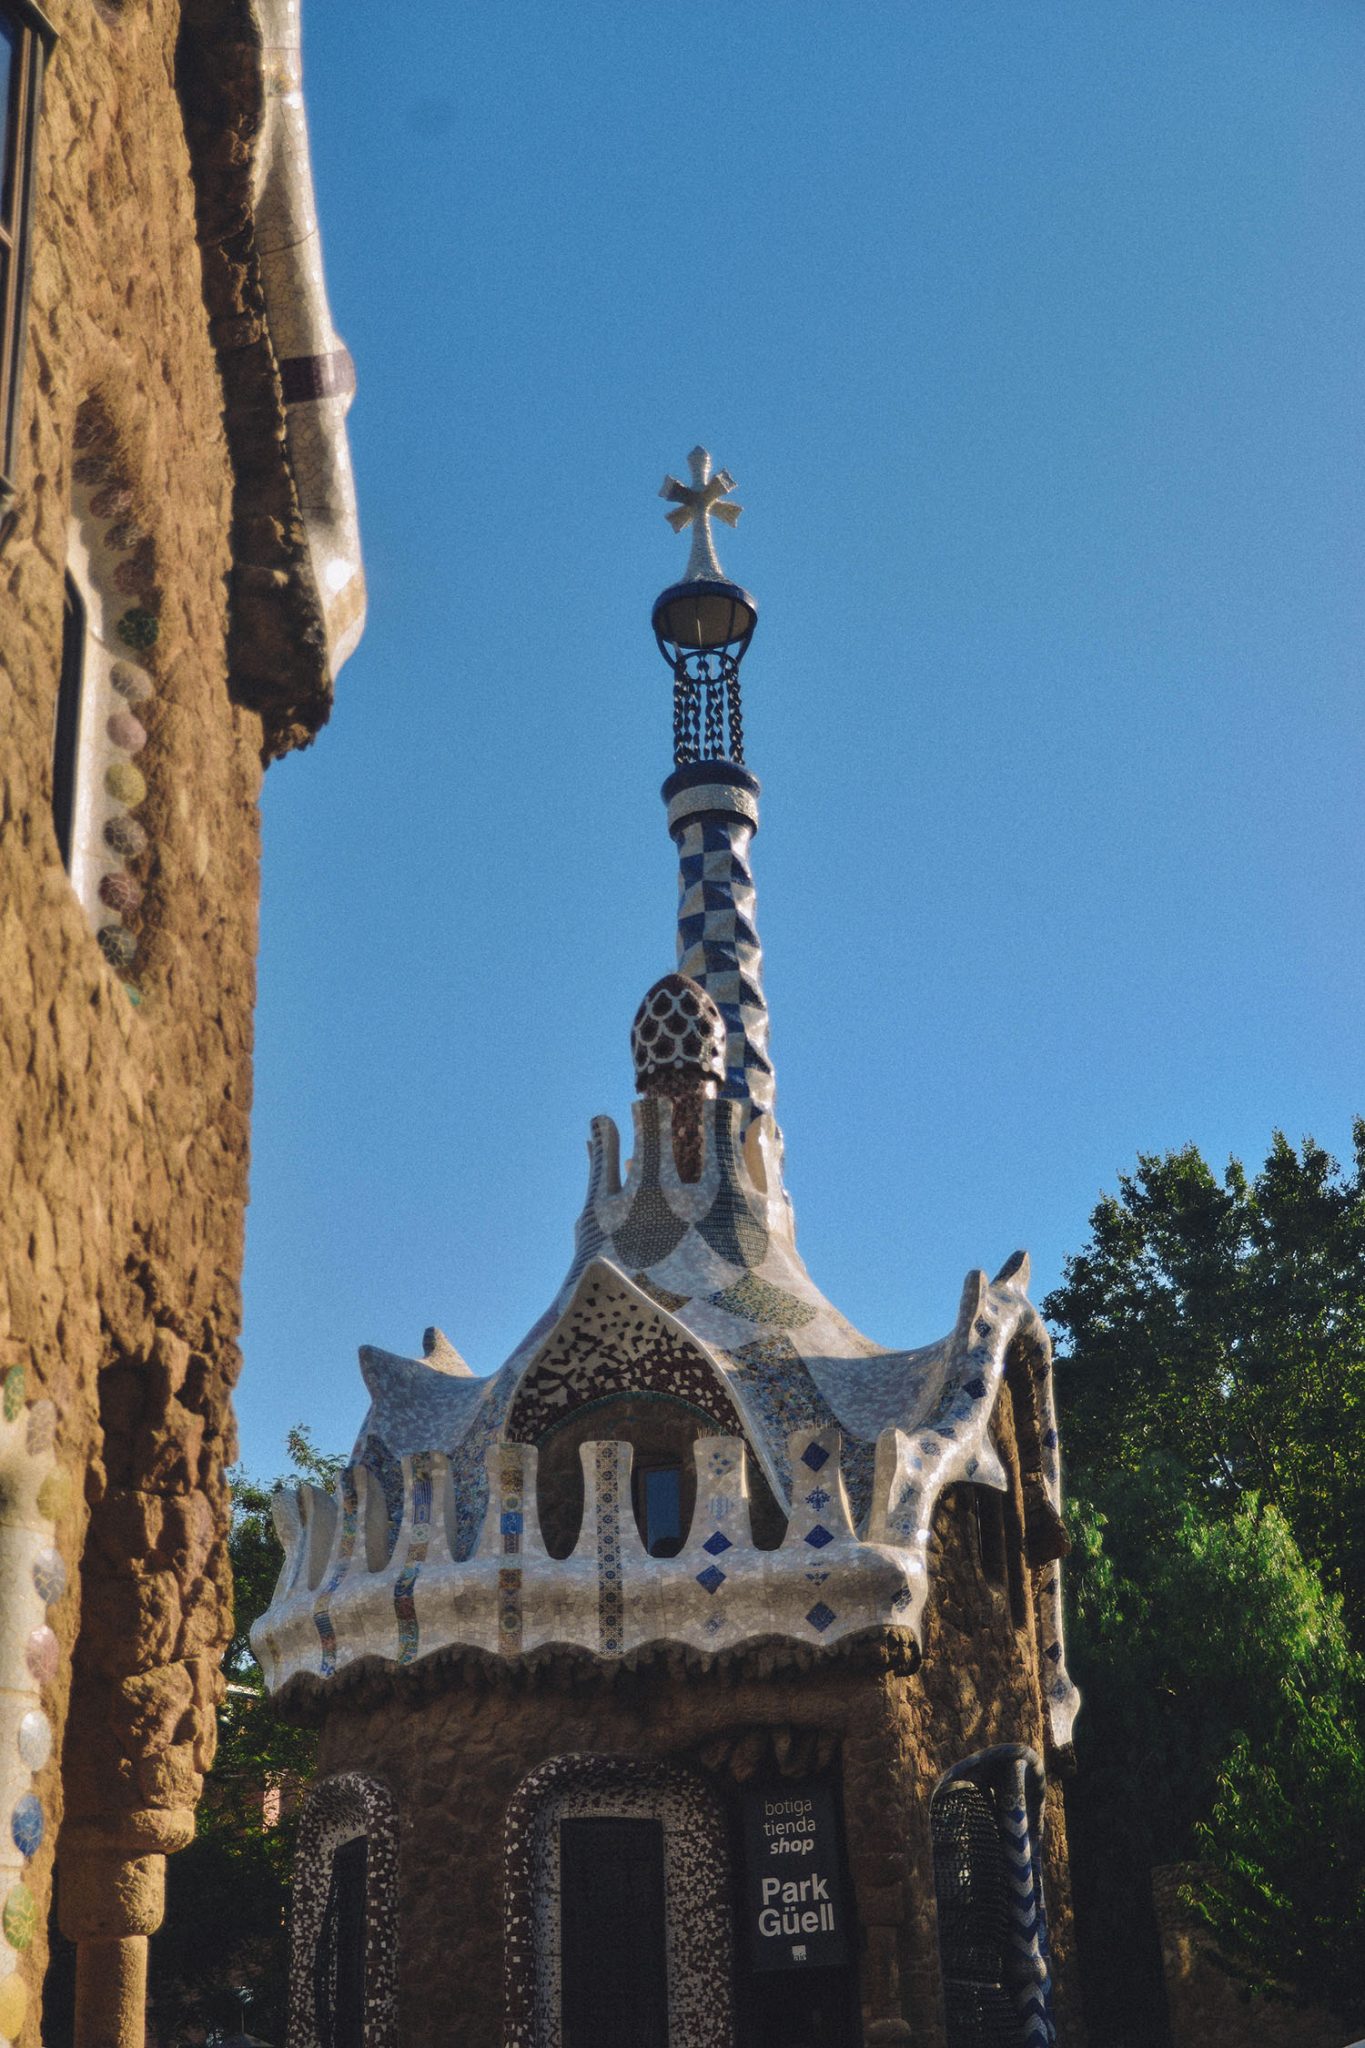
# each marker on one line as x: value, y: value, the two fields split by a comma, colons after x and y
x: 109, y: 1904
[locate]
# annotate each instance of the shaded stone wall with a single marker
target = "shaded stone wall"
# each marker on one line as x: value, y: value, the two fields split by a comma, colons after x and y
x: 123, y: 1144
x: 453, y: 1744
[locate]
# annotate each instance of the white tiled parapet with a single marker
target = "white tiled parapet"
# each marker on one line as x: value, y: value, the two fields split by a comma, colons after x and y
x: 459, y: 1564
x: 352, y: 1599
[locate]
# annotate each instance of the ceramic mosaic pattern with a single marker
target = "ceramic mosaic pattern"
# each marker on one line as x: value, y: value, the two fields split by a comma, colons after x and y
x: 678, y: 1032
x: 864, y: 1569
x: 612, y: 1344
x: 337, y: 1810
x: 113, y: 562
x: 417, y: 1525
x: 718, y: 946
x: 33, y: 1575
x: 696, y: 1864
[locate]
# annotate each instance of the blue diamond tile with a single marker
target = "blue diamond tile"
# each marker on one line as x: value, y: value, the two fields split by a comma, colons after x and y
x: 815, y: 1455
x: 818, y: 1537
x: 976, y: 1388
x: 26, y: 1825
x: 717, y: 1543
x: 510, y: 1524
x: 712, y: 1578
x: 821, y: 1616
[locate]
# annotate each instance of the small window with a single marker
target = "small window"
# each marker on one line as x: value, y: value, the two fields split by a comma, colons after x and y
x: 990, y: 1533
x: 66, y: 736
x: 25, y: 39
x: 339, y: 1961
x: 658, y: 1508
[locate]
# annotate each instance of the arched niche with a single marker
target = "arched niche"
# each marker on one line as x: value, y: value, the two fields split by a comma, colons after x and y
x: 345, y: 1895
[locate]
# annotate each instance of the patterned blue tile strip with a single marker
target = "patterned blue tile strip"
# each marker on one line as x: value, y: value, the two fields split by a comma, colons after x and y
x: 610, y: 1593
x: 1029, y: 1973
x: 718, y: 946
x: 404, y: 1604
x: 350, y: 1522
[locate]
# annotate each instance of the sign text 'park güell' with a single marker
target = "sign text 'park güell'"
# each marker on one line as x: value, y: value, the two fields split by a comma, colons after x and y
x: 794, y: 1903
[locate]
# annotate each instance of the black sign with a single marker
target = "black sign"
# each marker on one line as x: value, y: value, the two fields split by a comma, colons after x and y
x: 793, y: 1899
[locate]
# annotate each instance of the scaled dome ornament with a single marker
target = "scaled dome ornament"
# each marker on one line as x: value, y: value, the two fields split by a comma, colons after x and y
x: 678, y: 1038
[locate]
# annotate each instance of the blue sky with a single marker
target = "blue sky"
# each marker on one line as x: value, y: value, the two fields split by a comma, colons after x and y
x: 1033, y: 335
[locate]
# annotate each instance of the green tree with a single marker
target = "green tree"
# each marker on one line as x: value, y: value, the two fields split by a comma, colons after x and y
x: 1223, y: 1324
x: 1211, y: 1374
x: 219, y: 1962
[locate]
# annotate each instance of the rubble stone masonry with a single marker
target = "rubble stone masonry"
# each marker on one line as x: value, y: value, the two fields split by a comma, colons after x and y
x: 125, y: 1090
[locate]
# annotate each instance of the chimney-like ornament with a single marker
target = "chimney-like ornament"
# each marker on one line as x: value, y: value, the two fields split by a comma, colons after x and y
x: 704, y: 624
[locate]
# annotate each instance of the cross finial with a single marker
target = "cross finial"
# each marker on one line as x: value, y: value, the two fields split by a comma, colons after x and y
x: 698, y: 503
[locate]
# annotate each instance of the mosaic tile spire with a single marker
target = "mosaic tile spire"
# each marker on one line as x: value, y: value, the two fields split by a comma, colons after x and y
x: 712, y: 816
x: 712, y: 798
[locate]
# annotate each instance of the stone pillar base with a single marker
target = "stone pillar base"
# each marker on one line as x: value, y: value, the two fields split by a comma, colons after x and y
x: 109, y: 1904
x: 111, y: 1992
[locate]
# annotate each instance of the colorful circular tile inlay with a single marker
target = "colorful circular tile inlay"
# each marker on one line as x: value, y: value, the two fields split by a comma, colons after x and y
x: 54, y: 1495
x: 35, y: 1738
x: 41, y: 1654
x: 26, y: 1825
x: 13, y: 2006
x: 49, y: 1575
x: 42, y: 1427
x: 19, y: 1917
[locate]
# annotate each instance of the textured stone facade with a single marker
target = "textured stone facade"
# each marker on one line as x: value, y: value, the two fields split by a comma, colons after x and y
x: 126, y: 1020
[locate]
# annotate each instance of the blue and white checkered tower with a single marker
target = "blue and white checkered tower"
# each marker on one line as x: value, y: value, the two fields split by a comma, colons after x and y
x: 703, y: 626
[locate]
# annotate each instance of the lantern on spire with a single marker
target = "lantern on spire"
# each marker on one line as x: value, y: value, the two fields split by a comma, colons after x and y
x: 704, y: 624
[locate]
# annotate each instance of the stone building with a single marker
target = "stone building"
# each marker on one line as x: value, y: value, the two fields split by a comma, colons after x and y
x: 697, y: 1678
x: 180, y: 582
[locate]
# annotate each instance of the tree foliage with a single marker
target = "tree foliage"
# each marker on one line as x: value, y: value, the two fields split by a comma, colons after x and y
x: 219, y: 1962
x: 1211, y: 1376
x: 1222, y: 1323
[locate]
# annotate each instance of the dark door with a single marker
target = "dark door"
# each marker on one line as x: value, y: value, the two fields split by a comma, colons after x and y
x: 795, y: 2009
x: 339, y: 1963
x: 613, y: 1954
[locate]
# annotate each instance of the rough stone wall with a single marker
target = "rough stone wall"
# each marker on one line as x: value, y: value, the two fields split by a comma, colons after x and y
x: 453, y: 1745
x: 123, y: 1143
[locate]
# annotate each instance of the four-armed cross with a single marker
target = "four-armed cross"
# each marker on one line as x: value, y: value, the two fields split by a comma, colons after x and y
x: 698, y: 504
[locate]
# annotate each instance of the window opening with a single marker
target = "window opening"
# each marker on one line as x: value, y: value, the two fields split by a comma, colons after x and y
x: 658, y: 1508
x: 339, y: 1965
x: 990, y: 1533
x: 1014, y: 1557
x: 25, y: 38
x: 613, y: 1940
x: 67, y: 734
